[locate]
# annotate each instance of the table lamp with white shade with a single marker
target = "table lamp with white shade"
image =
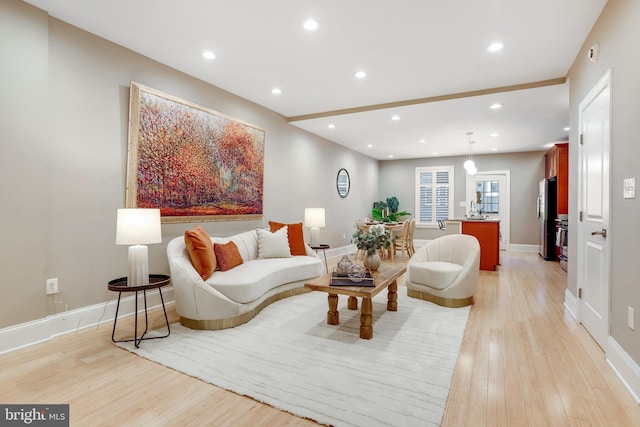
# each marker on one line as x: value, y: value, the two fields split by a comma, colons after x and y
x: 137, y: 228
x: 314, y: 219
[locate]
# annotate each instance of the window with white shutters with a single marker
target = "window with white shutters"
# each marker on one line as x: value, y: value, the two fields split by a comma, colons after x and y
x: 434, y: 194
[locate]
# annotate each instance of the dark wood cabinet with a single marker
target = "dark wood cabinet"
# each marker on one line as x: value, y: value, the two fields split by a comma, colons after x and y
x: 556, y: 162
x: 550, y: 163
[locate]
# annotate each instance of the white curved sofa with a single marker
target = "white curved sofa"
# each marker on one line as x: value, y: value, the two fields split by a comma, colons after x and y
x: 230, y: 298
x: 445, y: 271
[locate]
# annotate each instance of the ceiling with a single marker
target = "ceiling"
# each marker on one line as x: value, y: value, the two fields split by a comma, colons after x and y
x: 426, y: 62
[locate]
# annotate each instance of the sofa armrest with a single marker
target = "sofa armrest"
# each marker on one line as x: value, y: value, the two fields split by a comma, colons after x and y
x: 188, y: 285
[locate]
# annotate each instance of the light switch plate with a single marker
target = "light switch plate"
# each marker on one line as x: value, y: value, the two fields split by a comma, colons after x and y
x: 629, y: 188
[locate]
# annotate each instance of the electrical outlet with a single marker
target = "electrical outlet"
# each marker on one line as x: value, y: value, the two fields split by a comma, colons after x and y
x: 52, y: 286
x: 631, y: 321
x: 629, y: 191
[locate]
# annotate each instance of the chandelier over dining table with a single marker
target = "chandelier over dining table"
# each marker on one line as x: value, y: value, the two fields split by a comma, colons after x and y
x: 469, y: 164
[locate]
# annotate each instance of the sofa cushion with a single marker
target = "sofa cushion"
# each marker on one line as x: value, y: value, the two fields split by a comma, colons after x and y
x: 435, y: 274
x: 251, y: 280
x: 295, y: 236
x: 273, y: 245
x: 200, y: 251
x: 247, y: 243
x: 227, y: 255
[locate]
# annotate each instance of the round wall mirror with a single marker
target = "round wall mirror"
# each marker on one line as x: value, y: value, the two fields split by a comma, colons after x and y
x: 343, y: 183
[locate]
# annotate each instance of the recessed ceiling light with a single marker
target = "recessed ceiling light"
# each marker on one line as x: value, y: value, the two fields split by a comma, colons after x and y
x: 395, y: 118
x: 331, y: 126
x: 276, y: 91
x: 495, y: 47
x: 494, y: 134
x: 391, y: 156
x: 310, y: 25
x: 495, y: 106
x: 434, y: 154
x: 360, y: 74
x: 422, y: 141
x: 567, y: 129
x: 494, y: 149
x: 369, y: 145
x: 207, y: 54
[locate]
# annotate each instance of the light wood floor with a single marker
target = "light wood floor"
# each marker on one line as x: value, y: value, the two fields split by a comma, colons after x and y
x: 523, y: 363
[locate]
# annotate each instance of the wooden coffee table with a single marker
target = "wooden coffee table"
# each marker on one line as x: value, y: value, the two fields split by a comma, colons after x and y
x: 385, y: 277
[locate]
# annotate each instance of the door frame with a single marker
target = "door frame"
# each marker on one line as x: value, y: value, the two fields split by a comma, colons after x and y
x: 470, y: 195
x: 603, y: 84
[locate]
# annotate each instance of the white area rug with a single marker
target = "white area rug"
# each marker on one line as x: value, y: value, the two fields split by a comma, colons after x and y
x: 290, y: 358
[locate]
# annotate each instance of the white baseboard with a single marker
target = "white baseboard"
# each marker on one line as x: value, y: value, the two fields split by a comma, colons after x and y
x: 339, y: 251
x: 622, y: 364
x: 571, y: 304
x: 349, y: 249
x: 37, y: 331
x: 625, y: 368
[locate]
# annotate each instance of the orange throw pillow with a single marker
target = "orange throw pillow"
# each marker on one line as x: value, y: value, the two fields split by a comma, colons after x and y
x: 295, y: 236
x: 227, y: 255
x: 200, y: 250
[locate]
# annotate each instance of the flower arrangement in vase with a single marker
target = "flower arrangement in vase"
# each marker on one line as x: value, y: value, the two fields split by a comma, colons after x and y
x: 371, y: 240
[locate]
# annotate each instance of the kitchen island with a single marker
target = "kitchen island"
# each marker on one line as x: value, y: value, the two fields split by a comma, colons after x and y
x: 487, y: 231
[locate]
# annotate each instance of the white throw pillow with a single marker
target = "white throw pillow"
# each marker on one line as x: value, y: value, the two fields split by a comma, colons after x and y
x: 273, y: 245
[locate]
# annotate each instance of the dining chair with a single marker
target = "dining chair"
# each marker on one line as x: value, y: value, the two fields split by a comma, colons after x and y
x: 401, y: 243
x: 412, y: 227
x: 360, y: 225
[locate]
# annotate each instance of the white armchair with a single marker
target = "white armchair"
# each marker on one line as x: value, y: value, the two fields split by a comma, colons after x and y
x: 445, y: 271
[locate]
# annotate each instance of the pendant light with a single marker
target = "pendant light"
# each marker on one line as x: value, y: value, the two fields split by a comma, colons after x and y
x: 470, y: 165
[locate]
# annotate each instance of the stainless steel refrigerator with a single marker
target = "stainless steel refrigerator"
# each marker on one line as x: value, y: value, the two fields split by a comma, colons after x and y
x: 547, y: 212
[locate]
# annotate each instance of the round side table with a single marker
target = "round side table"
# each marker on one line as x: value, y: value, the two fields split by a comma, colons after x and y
x: 322, y: 247
x: 156, y: 281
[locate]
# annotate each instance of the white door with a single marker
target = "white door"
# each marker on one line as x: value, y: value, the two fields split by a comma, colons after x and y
x: 593, y: 219
x: 489, y: 192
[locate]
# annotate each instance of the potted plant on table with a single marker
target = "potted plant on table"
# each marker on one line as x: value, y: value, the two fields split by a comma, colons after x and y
x: 388, y: 211
x: 371, y: 240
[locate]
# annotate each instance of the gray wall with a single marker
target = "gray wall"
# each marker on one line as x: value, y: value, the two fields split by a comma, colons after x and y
x: 25, y: 179
x: 397, y: 178
x: 64, y: 105
x: 617, y: 31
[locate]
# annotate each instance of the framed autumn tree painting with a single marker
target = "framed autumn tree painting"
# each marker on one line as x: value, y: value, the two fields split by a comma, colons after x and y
x: 193, y: 163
